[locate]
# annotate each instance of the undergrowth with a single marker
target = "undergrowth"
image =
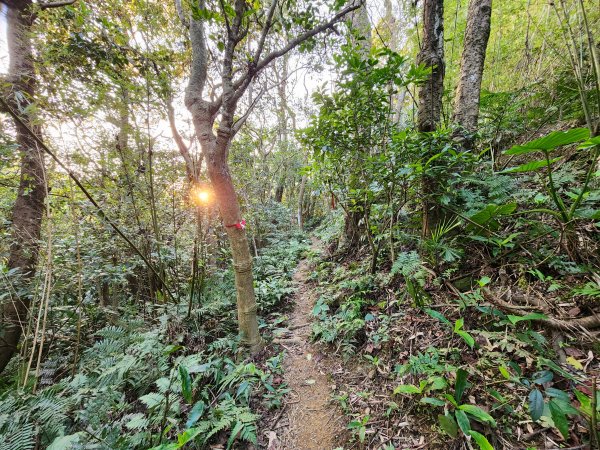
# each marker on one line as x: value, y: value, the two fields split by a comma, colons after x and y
x: 445, y: 366
x: 163, y: 382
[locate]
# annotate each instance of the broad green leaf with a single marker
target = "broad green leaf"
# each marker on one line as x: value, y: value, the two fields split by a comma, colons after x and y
x: 481, y: 440
x: 478, y: 414
x: 467, y: 338
x: 559, y: 418
x: 590, y: 143
x: 504, y: 371
x: 407, y: 389
x: 585, y: 402
x: 484, y: 281
x: 448, y: 424
x: 451, y: 399
x: 437, y: 315
x: 432, y: 401
x: 556, y: 368
x: 557, y: 393
x: 461, y: 384
x: 531, y: 316
x: 536, y: 405
x: 437, y: 383
x: 186, y: 384
x: 491, y: 212
x: 195, y: 414
x: 551, y: 141
x: 530, y: 166
x: 188, y: 435
x: 458, y: 324
x: 463, y: 421
x: 541, y: 377
x: 65, y: 442
x: 565, y: 406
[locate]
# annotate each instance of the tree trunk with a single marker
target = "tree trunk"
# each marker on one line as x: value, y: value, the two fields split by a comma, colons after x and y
x: 361, y: 29
x: 361, y: 39
x: 477, y: 33
x: 301, y: 203
x: 218, y: 171
x: 29, y: 206
x: 430, y: 96
x: 279, y: 193
x: 215, y: 141
x: 432, y: 55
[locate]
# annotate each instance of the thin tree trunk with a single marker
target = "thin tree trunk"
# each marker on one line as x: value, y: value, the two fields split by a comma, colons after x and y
x: 279, y: 192
x: 28, y: 209
x: 227, y: 200
x: 430, y: 96
x: 301, y: 202
x: 468, y: 91
x: 361, y: 39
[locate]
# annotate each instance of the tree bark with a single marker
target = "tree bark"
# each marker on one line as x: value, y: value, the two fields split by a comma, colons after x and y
x: 301, y: 203
x: 430, y: 97
x: 361, y: 28
x: 468, y: 91
x: 432, y: 55
x: 28, y: 209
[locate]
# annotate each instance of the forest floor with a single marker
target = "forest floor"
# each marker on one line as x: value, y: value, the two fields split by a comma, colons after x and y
x: 310, y: 421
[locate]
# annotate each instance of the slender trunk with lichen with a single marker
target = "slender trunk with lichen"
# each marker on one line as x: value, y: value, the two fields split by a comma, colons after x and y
x: 28, y: 209
x: 431, y: 91
x: 468, y: 91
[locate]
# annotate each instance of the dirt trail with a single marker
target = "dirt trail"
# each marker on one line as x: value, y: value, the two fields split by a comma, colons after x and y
x: 313, y: 421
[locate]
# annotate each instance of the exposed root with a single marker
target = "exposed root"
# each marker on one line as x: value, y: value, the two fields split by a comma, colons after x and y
x: 585, y: 323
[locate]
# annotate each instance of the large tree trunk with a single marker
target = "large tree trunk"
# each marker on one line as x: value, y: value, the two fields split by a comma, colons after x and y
x: 466, y: 105
x: 430, y: 96
x: 29, y: 206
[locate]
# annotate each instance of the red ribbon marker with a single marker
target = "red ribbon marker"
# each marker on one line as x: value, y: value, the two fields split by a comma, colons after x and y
x: 240, y: 225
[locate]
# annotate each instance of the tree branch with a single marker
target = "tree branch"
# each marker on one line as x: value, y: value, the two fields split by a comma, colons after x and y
x: 199, y: 68
x: 240, y: 122
x: 255, y: 67
x: 56, y: 4
x: 265, y: 31
x: 180, y: 13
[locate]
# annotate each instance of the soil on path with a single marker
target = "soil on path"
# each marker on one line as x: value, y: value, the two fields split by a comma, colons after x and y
x: 313, y: 421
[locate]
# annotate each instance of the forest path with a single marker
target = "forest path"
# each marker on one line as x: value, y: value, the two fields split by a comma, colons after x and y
x: 314, y: 422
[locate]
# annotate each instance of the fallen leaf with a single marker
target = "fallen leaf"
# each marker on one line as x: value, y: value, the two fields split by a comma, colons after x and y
x: 573, y: 362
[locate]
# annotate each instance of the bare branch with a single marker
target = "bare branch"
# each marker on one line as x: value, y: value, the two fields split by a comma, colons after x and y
x: 183, y: 149
x: 181, y: 14
x: 56, y: 4
x: 255, y: 67
x: 305, y: 36
x: 265, y: 31
x: 240, y: 122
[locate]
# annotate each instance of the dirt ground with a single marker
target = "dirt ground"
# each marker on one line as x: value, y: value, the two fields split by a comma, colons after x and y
x: 310, y: 420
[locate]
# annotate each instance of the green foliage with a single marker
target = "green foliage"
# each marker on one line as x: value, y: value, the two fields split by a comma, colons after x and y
x: 137, y: 385
x: 457, y: 415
